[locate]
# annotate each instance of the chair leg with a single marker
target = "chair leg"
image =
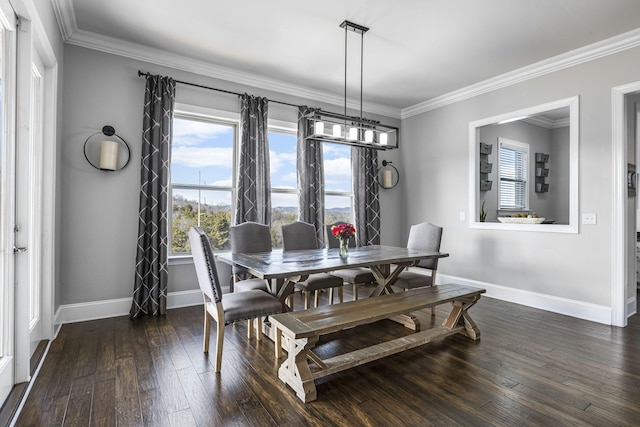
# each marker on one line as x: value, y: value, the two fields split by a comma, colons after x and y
x: 307, y: 296
x: 433, y: 311
x: 250, y: 329
x: 207, y: 330
x: 259, y: 329
x: 278, y: 342
x: 316, y: 297
x: 355, y: 291
x: 331, y: 296
x: 219, y: 344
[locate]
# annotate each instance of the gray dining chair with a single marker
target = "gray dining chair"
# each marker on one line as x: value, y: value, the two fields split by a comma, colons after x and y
x: 248, y: 237
x: 301, y: 235
x: 228, y: 308
x: 352, y: 276
x: 424, y: 236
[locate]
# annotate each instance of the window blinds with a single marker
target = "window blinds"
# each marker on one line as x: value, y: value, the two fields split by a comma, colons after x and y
x: 513, y: 177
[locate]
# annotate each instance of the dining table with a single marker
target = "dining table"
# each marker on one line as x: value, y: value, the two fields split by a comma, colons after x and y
x: 282, y: 269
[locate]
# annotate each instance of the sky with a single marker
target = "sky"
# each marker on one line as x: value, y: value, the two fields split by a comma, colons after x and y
x: 202, y: 152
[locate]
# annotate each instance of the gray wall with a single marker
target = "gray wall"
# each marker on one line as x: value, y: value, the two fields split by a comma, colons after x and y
x: 559, y: 175
x: 99, y: 210
x: 436, y: 155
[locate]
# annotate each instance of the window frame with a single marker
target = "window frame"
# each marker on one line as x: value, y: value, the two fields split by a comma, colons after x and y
x: 514, y: 146
x: 208, y: 115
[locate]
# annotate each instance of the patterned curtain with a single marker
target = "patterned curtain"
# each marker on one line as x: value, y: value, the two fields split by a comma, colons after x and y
x: 310, y: 178
x: 253, y: 201
x: 364, y: 165
x: 150, y: 288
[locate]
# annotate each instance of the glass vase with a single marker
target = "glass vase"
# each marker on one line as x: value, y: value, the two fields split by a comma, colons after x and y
x: 344, y: 248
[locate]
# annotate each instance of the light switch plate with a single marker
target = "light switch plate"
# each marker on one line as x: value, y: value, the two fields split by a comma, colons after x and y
x: 589, y: 219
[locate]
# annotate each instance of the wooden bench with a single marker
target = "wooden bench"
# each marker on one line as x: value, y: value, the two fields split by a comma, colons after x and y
x: 303, y: 328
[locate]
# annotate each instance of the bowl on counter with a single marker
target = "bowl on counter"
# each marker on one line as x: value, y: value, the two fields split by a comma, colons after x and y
x: 519, y: 220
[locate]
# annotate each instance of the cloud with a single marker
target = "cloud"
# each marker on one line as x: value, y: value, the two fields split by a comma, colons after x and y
x: 281, y: 160
x: 195, y: 157
x: 337, y: 168
x: 193, y: 133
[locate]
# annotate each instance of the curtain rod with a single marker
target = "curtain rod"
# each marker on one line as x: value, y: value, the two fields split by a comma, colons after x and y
x: 141, y: 73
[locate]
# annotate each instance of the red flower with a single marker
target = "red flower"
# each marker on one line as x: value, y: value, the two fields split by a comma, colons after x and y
x: 343, y: 230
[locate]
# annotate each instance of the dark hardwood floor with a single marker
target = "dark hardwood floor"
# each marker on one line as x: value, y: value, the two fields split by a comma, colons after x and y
x: 530, y: 367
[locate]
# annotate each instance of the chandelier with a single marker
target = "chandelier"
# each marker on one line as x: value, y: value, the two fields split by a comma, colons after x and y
x: 351, y: 130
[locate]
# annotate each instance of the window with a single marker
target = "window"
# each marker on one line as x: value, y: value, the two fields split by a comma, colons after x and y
x: 284, y: 179
x: 513, y: 158
x: 203, y: 177
x: 338, y: 193
x: 202, y: 184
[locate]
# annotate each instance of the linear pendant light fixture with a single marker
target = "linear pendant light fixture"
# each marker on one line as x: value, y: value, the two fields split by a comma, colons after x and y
x: 344, y: 129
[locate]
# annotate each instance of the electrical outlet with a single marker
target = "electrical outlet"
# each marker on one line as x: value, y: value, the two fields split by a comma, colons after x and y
x: 461, y: 216
x: 589, y: 218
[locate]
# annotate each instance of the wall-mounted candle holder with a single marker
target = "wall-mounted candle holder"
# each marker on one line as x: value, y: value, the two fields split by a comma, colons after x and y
x: 107, y: 151
x: 386, y: 178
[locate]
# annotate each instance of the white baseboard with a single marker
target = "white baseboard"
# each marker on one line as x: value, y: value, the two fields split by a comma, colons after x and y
x: 579, y: 309
x: 632, y: 307
x: 70, y: 313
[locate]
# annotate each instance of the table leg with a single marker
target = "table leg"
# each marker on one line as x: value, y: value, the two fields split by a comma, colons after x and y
x: 385, y: 278
x: 283, y: 292
x: 295, y: 370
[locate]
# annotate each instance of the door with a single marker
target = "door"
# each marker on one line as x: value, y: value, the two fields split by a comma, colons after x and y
x: 7, y: 195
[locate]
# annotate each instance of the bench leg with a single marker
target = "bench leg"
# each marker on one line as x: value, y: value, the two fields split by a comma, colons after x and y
x: 459, y: 312
x: 295, y: 370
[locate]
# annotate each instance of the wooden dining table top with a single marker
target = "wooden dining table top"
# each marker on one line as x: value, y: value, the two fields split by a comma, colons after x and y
x: 280, y: 264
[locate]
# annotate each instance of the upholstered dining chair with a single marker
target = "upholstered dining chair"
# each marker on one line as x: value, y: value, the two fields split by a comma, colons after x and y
x: 301, y: 235
x: 227, y: 308
x: 352, y: 276
x: 428, y: 237
x: 248, y: 237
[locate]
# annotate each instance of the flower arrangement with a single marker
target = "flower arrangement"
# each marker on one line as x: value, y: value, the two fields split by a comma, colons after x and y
x: 343, y: 232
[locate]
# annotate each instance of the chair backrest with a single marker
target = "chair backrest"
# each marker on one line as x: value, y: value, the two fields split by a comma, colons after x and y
x: 205, y: 264
x: 333, y: 241
x: 249, y: 237
x: 299, y: 235
x: 425, y: 236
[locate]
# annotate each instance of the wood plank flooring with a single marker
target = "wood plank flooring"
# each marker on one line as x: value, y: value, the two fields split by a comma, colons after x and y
x: 530, y: 368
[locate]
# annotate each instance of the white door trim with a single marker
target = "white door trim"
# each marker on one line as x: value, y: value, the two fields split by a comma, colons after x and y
x: 619, y: 253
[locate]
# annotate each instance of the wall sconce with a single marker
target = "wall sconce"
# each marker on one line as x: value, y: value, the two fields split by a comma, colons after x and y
x: 386, y: 175
x: 107, y: 151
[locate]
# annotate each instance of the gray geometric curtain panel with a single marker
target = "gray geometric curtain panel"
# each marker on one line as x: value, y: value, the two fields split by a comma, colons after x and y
x: 253, y: 202
x: 364, y: 166
x: 310, y: 171
x: 150, y: 287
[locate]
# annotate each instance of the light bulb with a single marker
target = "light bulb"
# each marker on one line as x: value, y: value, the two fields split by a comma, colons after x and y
x: 353, y: 133
x: 319, y: 128
x: 337, y: 130
x: 368, y: 136
x: 383, y: 138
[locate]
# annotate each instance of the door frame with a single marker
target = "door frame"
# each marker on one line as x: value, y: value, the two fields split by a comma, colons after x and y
x: 7, y: 363
x: 619, y: 253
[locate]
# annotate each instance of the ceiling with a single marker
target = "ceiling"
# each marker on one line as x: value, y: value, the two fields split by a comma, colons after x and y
x: 415, y: 50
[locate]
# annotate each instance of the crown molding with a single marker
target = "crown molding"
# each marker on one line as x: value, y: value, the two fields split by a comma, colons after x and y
x: 578, y: 56
x: 66, y: 17
x: 548, y: 123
